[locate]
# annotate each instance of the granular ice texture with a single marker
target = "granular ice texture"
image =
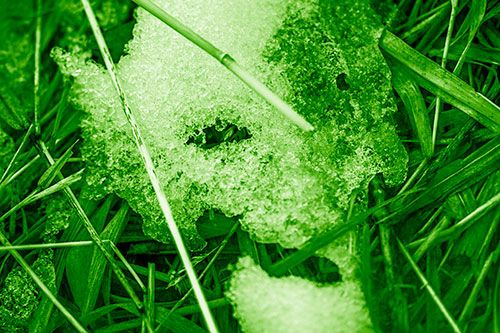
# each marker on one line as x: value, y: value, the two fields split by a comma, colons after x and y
x: 288, y: 185
x: 291, y: 304
x: 218, y: 146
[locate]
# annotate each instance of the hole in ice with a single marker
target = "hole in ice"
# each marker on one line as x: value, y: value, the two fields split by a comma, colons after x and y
x: 341, y: 82
x: 211, y: 137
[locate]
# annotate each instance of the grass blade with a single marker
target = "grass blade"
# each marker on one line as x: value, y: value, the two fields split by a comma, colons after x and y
x: 42, y: 285
x: 454, y: 177
x: 442, y: 83
x: 48, y: 176
x: 451, y: 23
x: 98, y: 262
x: 80, y: 212
x: 151, y: 170
x: 16, y: 154
x: 415, y: 106
x: 218, y: 250
x: 496, y: 305
x: 476, y: 13
x: 78, y: 259
x: 36, y: 79
x: 59, y: 186
x: 471, y: 301
x: 46, y: 245
x: 151, y: 292
x: 427, y: 286
x: 227, y: 61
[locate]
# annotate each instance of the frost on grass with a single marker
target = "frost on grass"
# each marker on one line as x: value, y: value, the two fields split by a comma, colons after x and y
x: 19, y: 295
x: 292, y: 304
x: 287, y: 185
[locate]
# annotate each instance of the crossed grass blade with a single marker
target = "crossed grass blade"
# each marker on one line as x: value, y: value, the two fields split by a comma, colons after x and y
x: 41, y: 284
x: 429, y: 288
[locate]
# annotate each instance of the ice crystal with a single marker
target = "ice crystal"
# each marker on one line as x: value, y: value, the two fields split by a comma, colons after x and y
x: 292, y: 304
x: 288, y: 185
x: 19, y: 294
x: 58, y: 213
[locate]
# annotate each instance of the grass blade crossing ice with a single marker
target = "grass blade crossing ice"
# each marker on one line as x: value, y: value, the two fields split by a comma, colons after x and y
x: 228, y: 62
x: 151, y: 170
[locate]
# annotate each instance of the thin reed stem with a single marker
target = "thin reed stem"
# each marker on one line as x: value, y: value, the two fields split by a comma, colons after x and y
x: 151, y: 170
x: 227, y: 61
x: 36, y: 83
x: 429, y: 288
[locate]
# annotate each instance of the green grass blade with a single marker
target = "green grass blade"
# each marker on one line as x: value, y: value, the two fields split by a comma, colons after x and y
x: 16, y: 154
x: 467, y: 221
x: 411, y: 35
x: 415, y: 106
x: 129, y: 267
x: 496, y: 305
x: 61, y: 107
x: 428, y: 287
x: 428, y: 241
x: 59, y: 186
x: 476, y: 13
x: 148, y: 163
x: 442, y: 83
x: 46, y: 245
x: 36, y: 78
x: 453, y: 177
x: 48, y: 176
x: 177, y: 323
x: 41, y: 285
x: 80, y: 212
x: 471, y: 300
x: 451, y: 23
x: 281, y: 267
x: 9, y: 178
x: 218, y: 251
x: 96, y: 314
x: 227, y: 61
x: 98, y: 262
x: 150, y: 309
x: 78, y: 259
x: 320, y: 241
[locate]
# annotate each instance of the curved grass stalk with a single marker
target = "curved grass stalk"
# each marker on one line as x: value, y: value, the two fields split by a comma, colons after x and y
x: 227, y: 61
x: 151, y: 170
